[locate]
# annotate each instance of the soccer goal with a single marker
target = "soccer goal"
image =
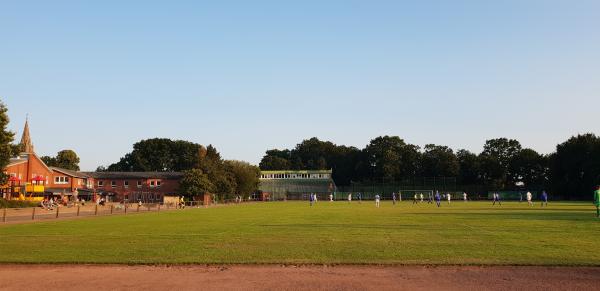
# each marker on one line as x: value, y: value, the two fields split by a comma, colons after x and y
x: 410, y: 194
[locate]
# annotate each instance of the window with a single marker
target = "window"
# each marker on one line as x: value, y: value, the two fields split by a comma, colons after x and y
x: 158, y: 184
x: 139, y: 184
x: 113, y: 184
x: 152, y: 184
x: 100, y: 183
x: 61, y: 180
x: 126, y: 184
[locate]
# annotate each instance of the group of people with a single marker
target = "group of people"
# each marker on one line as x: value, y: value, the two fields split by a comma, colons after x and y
x: 420, y: 198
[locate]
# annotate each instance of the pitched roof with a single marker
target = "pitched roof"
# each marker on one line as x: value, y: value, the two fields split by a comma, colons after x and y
x: 24, y: 157
x: 134, y: 175
x: 70, y: 172
x: 16, y: 161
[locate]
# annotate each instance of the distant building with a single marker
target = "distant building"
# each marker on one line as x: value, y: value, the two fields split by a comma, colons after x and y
x: 297, y: 185
x: 31, y: 179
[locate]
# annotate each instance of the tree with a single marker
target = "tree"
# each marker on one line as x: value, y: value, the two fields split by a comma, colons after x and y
x: 439, y: 161
x: 48, y: 160
x: 469, y: 166
x: 6, y: 139
x: 66, y: 159
x: 159, y: 155
x: 195, y: 182
x: 272, y: 163
x: 246, y: 176
x: 495, y: 161
x: 575, y: 167
x: 530, y: 168
x: 389, y: 157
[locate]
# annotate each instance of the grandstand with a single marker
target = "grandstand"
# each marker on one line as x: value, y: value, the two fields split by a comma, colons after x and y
x: 297, y: 185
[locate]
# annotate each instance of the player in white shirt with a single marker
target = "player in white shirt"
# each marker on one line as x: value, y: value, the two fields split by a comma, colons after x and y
x: 529, y: 196
x: 377, y: 197
x: 349, y: 197
x: 465, y: 196
x: 449, y: 197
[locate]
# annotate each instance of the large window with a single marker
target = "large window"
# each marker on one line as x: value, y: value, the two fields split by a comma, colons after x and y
x: 139, y: 184
x: 61, y: 180
x: 158, y: 184
x: 113, y: 184
x: 100, y: 183
x: 126, y: 184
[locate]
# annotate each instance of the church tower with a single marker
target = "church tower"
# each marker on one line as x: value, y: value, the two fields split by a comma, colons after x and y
x: 26, y: 144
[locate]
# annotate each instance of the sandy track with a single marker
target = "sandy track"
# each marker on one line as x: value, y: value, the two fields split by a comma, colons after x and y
x: 269, y: 277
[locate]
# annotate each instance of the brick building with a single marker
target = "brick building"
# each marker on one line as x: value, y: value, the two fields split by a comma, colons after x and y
x: 31, y: 179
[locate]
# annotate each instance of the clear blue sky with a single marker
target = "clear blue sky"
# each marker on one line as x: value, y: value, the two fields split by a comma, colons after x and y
x: 248, y: 76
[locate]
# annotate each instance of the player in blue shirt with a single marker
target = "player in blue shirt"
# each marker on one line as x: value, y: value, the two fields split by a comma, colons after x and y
x: 438, y: 198
x: 394, y: 198
x: 544, y: 198
x: 311, y: 199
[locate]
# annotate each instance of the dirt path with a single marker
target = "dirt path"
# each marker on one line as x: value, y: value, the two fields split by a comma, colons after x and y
x: 111, y: 277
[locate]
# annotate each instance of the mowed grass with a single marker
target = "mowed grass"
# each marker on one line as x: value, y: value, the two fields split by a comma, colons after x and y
x: 328, y: 233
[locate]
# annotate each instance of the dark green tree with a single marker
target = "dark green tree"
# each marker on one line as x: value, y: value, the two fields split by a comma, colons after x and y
x: 495, y: 161
x: 389, y: 157
x: 160, y: 155
x: 439, y: 161
x: 195, y: 183
x: 272, y: 163
x: 49, y: 161
x: 246, y: 176
x: 66, y: 159
x: 6, y: 139
x: 470, y: 168
x: 575, y: 167
x: 529, y: 168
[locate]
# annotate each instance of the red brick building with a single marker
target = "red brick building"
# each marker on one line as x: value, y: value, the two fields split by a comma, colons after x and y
x: 30, y: 178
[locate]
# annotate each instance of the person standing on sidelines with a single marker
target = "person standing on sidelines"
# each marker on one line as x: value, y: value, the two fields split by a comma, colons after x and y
x: 438, y: 198
x: 359, y: 198
x: 349, y: 197
x: 377, y: 197
x: 529, y: 196
x: 597, y: 201
x: 465, y: 196
x: 544, y: 199
x: 497, y: 199
x: 415, y: 199
x: 449, y: 197
x: 394, y: 198
x: 330, y: 197
x: 421, y: 196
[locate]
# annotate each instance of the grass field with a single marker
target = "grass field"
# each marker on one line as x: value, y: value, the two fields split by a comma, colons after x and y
x: 328, y: 233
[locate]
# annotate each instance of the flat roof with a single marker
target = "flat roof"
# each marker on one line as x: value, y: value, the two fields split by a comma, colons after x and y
x: 298, y: 172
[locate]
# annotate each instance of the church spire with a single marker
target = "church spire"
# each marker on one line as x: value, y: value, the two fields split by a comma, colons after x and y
x: 26, y: 144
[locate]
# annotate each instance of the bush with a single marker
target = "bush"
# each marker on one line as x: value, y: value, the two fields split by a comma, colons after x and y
x: 16, y: 204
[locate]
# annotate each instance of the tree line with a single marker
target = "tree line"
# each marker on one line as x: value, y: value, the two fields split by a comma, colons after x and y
x: 571, y: 172
x: 203, y: 168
